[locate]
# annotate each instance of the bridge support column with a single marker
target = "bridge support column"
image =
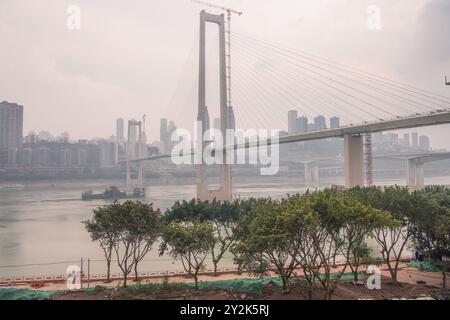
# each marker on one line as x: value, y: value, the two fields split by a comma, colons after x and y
x: 411, y: 173
x: 354, y: 161
x: 316, y: 176
x: 420, y: 177
x: 311, y: 175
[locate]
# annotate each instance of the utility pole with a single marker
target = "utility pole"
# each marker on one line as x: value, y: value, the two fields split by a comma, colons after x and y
x: 229, y: 12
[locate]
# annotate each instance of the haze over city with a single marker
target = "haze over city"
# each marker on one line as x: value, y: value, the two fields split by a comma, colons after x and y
x: 127, y: 61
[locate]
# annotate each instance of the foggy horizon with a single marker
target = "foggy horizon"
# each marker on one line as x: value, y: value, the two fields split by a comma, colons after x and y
x: 127, y: 61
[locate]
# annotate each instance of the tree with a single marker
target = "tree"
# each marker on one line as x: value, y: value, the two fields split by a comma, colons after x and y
x: 356, y: 222
x: 189, y: 241
x: 221, y: 215
x: 267, y: 241
x: 102, y: 230
x: 130, y: 229
x: 394, y: 232
x: 431, y: 229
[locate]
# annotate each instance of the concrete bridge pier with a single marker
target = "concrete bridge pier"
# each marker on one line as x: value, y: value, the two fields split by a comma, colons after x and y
x: 354, y: 161
x: 415, y: 173
x: 311, y: 175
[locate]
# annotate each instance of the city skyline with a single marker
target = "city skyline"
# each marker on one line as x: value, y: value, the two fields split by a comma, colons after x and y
x: 89, y: 81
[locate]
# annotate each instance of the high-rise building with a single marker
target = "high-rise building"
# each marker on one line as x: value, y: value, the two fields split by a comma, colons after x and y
x: 120, y: 130
x: 415, y: 140
x: 302, y: 124
x: 335, y: 122
x: 406, y: 140
x: 108, y: 154
x: 320, y: 123
x: 163, y: 136
x: 133, y: 131
x: 11, y: 131
x: 424, y: 143
x: 292, y: 122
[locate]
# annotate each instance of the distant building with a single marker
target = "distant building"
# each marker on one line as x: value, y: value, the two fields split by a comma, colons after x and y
x: 45, y: 136
x: 415, y: 140
x: 163, y: 136
x: 424, y: 143
x: 406, y: 140
x: 132, y: 131
x: 120, y: 130
x: 292, y: 122
x: 11, y: 131
x: 108, y: 154
x: 335, y: 123
x: 320, y: 123
x: 302, y: 124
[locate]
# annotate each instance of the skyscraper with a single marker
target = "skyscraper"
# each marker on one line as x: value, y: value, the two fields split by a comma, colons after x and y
x: 415, y: 140
x: 320, y: 123
x: 292, y: 122
x: 406, y: 140
x: 120, y: 130
x: 11, y: 131
x: 302, y: 124
x: 424, y: 143
x: 335, y: 123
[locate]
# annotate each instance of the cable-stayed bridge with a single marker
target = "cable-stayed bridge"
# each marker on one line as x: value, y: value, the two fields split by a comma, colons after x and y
x: 270, y: 79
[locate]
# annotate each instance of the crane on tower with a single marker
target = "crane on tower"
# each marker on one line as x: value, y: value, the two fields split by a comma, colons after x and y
x: 229, y: 12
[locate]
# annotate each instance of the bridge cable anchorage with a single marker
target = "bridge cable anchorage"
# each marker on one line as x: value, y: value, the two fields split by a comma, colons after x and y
x: 382, y: 80
x: 326, y: 85
x: 342, y: 84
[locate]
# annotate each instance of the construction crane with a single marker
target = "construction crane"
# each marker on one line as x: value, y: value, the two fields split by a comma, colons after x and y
x: 229, y: 12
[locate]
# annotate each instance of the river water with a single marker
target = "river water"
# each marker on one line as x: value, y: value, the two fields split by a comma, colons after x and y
x: 41, y: 231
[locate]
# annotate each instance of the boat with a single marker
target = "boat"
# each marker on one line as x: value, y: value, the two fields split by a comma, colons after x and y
x: 11, y: 187
x: 113, y: 193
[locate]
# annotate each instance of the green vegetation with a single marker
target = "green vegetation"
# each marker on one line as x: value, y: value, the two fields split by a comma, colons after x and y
x: 130, y: 229
x: 303, y: 233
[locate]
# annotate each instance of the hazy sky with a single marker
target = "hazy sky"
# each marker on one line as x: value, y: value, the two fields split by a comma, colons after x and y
x: 139, y: 57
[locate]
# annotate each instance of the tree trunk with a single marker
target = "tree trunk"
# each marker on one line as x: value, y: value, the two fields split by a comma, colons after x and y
x: 108, y: 271
x: 444, y: 280
x: 215, y: 268
x: 196, y: 279
x: 136, y: 276
x: 125, y: 280
x: 285, y: 287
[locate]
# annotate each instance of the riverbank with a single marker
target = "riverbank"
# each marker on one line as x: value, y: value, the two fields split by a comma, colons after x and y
x: 412, y: 284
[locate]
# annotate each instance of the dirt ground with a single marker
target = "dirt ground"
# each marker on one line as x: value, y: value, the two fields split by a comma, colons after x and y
x: 413, y: 284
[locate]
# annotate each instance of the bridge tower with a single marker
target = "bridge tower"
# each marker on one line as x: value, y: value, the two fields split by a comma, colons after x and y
x: 203, y: 193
